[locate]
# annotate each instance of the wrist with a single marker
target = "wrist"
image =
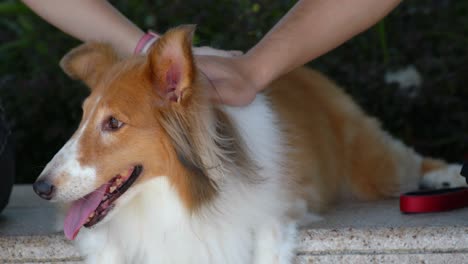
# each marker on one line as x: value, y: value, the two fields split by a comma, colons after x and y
x: 254, y: 71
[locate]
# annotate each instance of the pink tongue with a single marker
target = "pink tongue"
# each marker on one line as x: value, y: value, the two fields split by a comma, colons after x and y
x: 80, y: 210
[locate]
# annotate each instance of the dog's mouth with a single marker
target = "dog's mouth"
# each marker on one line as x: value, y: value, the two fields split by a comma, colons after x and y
x: 94, y: 207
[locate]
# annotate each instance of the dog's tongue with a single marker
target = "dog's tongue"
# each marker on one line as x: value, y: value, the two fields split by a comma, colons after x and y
x: 80, y: 210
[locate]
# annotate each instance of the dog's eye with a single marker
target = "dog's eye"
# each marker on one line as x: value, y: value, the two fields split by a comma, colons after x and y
x: 112, y: 124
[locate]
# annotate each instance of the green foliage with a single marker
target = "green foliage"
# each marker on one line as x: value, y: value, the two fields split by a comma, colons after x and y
x: 43, y: 105
x: 380, y: 28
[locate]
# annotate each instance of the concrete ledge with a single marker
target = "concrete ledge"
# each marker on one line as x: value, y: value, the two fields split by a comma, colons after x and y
x: 52, y: 248
x: 420, y: 240
x: 352, y: 233
x: 384, y: 245
x: 393, y: 259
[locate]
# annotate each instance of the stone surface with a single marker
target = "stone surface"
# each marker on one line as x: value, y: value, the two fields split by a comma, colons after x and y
x: 453, y: 258
x: 37, y: 249
x: 27, y: 214
x: 351, y: 233
x: 382, y: 241
x: 386, y: 214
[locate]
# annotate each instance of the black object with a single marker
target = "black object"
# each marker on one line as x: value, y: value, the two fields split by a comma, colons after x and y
x: 435, y: 192
x: 44, y: 189
x: 7, y: 163
x: 464, y: 171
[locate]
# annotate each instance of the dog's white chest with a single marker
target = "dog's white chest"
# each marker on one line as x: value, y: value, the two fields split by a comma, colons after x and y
x: 165, y: 235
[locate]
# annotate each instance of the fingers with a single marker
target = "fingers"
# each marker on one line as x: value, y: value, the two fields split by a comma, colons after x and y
x: 228, y: 83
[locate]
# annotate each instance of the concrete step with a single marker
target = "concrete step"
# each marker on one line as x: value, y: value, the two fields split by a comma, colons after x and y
x: 351, y: 233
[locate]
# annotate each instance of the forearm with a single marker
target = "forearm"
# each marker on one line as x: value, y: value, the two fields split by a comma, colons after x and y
x: 310, y: 29
x: 89, y: 20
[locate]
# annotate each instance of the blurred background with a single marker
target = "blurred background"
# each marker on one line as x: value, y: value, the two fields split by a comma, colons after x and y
x: 410, y: 70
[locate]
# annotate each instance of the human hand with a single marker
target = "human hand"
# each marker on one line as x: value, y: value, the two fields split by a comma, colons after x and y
x: 227, y: 72
x: 232, y: 79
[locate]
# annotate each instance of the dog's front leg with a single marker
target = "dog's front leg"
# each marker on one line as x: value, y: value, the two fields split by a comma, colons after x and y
x: 275, y: 243
x: 110, y: 255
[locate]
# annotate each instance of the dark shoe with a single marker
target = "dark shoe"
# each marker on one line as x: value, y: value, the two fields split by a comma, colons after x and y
x: 7, y: 164
x: 464, y: 171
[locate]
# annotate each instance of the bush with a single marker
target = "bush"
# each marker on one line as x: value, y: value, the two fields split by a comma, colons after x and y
x: 43, y: 105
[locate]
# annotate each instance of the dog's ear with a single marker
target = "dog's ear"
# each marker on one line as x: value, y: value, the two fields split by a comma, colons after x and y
x: 88, y: 62
x: 171, y: 65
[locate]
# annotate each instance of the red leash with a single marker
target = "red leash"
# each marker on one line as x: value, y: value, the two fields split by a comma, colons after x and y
x: 436, y: 200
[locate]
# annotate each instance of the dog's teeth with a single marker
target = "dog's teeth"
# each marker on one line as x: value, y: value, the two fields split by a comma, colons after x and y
x: 91, y: 215
x: 112, y: 189
x: 118, y: 181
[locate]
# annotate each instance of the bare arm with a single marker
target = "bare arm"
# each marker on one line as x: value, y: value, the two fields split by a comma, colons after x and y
x: 310, y: 29
x: 89, y: 20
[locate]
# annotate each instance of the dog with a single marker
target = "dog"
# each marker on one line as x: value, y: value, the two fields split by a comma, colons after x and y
x: 156, y: 173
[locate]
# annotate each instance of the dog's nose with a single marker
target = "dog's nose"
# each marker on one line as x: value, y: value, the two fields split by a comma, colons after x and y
x: 44, y: 189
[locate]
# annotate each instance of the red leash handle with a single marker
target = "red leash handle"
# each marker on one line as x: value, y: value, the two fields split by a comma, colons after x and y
x: 434, y: 201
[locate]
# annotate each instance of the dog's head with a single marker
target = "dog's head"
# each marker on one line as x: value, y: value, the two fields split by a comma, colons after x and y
x: 146, y: 117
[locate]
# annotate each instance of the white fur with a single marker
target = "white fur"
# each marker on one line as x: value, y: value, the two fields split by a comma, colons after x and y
x: 80, y: 179
x: 246, y: 223
x: 276, y: 243
x: 409, y: 164
x: 447, y: 177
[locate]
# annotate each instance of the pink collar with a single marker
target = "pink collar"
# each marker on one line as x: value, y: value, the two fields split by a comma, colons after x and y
x: 145, y: 42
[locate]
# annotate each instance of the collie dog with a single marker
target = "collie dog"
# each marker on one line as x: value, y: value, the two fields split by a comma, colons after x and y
x: 156, y: 173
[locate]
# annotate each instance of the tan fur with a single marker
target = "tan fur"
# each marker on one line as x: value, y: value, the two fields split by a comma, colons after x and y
x: 186, y: 139
x: 88, y: 62
x: 333, y: 147
x: 429, y: 164
x: 127, y: 90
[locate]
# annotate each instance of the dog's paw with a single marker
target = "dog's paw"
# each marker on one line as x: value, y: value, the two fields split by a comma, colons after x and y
x: 447, y: 177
